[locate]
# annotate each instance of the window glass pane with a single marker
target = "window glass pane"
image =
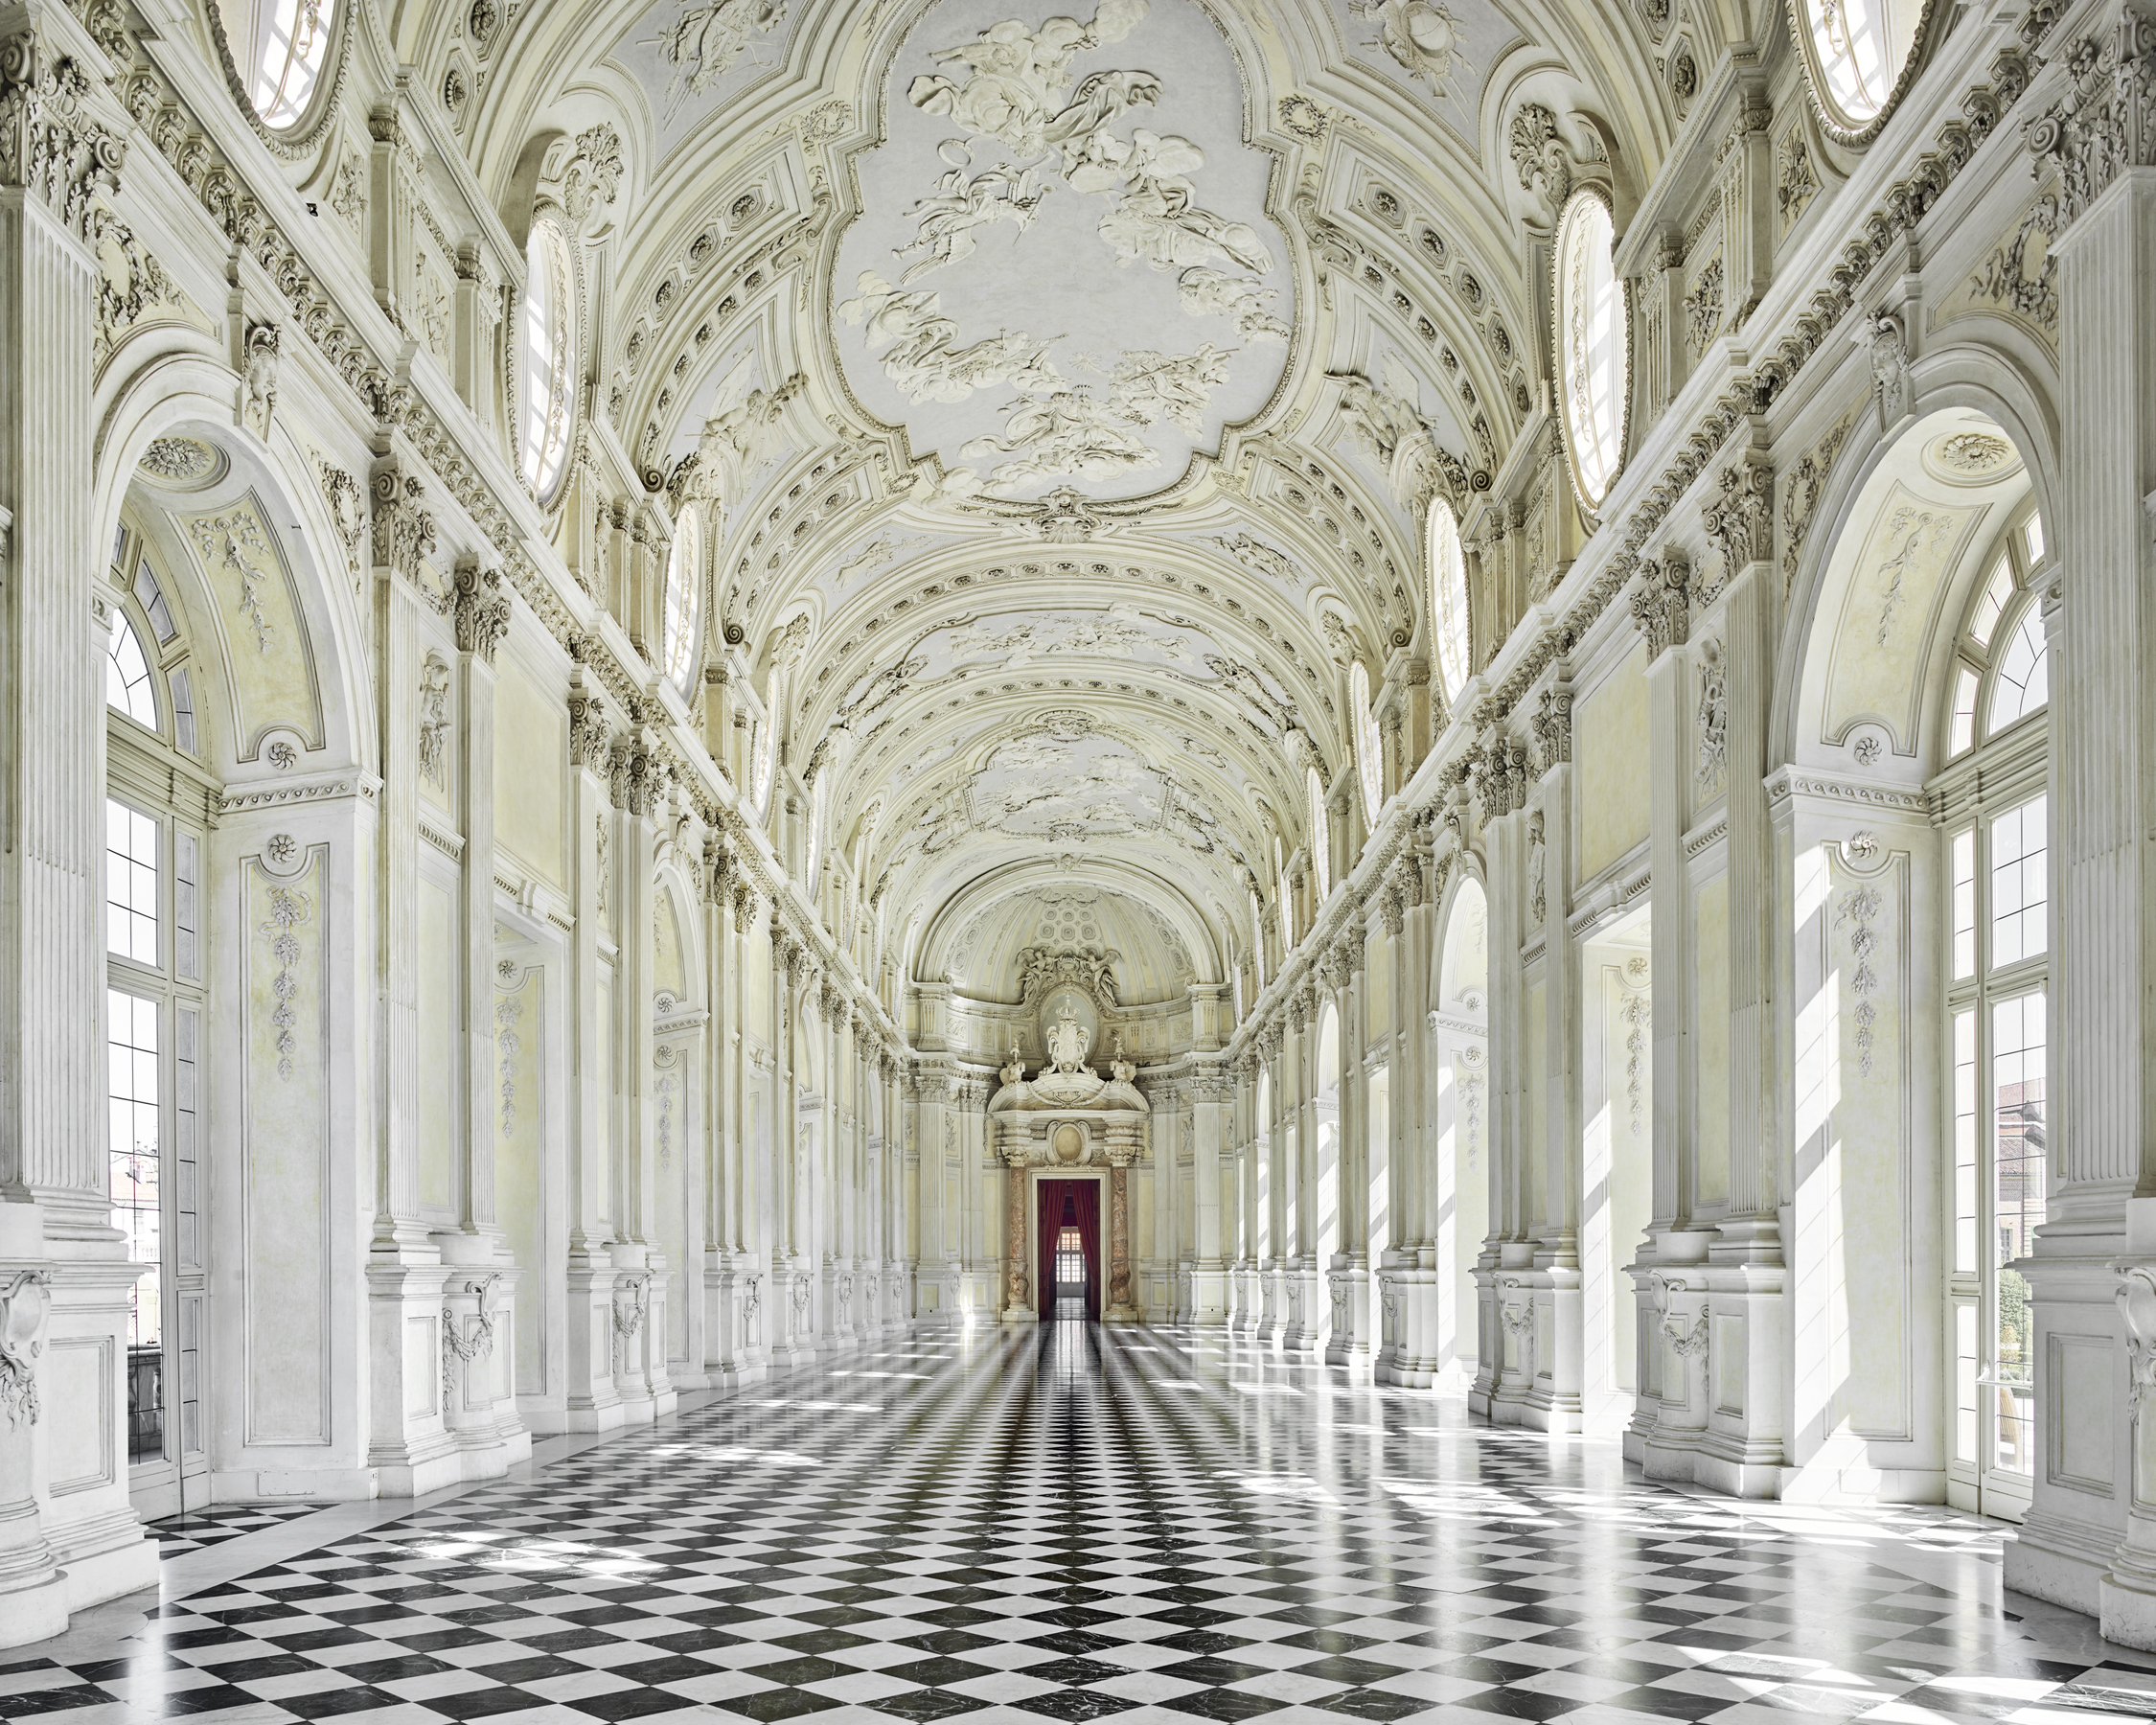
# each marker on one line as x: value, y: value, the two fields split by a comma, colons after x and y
x: 126, y: 674
x: 2018, y: 1171
x: 153, y: 597
x: 183, y: 711
x: 1996, y: 593
x: 132, y: 1158
x: 1961, y: 732
x: 1964, y: 1144
x: 1964, y: 905
x: 130, y: 883
x: 1965, y: 1382
x: 2024, y: 681
x: 187, y: 851
x: 2033, y: 535
x: 2018, y: 886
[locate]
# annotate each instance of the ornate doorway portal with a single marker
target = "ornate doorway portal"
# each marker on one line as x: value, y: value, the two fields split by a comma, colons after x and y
x: 1068, y: 1234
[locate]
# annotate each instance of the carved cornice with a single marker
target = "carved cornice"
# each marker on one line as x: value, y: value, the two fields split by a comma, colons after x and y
x: 1789, y: 784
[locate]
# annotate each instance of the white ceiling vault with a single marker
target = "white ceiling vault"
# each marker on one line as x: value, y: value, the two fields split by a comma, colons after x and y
x: 1065, y: 385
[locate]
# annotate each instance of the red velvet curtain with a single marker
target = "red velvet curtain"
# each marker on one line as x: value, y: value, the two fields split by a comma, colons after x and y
x: 1069, y: 1203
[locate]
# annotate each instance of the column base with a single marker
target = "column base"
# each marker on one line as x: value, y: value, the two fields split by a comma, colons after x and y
x: 33, y: 1610
x: 1121, y: 1314
x: 2061, y: 1561
x: 1021, y: 1315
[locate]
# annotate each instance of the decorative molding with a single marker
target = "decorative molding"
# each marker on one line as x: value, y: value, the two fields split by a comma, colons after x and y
x: 1860, y: 909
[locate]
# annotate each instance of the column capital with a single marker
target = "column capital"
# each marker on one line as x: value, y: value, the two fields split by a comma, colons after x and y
x: 52, y: 143
x: 2106, y: 121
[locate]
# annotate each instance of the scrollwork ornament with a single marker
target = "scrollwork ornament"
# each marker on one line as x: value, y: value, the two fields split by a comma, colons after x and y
x: 403, y: 525
x: 480, y: 607
x: 25, y: 1306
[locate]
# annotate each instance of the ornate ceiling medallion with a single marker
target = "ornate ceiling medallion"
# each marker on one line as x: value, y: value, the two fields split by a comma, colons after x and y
x: 1971, y: 459
x: 1065, y: 281
x: 182, y: 463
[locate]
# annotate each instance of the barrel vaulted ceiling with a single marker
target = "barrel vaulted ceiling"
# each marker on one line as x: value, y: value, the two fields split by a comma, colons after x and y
x: 1065, y: 385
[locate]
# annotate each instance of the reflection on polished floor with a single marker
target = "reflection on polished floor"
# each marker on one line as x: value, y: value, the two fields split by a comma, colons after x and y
x: 1075, y: 1522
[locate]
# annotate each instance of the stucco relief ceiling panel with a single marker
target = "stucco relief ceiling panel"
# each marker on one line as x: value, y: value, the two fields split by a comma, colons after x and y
x: 1063, y: 782
x: 1064, y: 274
x: 694, y: 58
x: 1442, y: 50
x: 1011, y: 640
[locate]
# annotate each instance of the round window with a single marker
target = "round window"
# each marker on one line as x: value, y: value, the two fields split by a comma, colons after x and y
x: 1858, y: 56
x: 546, y: 362
x: 1593, y: 345
x: 279, y: 52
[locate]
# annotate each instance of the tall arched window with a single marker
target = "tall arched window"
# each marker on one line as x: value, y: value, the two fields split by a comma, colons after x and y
x: 547, y: 361
x: 1594, y: 344
x: 1257, y: 941
x: 1994, y: 794
x: 1321, y: 834
x: 156, y: 1023
x: 280, y: 51
x: 1369, y: 747
x: 684, y: 581
x: 1448, y: 600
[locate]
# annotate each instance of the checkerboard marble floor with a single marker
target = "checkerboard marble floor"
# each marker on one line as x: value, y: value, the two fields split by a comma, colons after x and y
x: 1072, y: 1524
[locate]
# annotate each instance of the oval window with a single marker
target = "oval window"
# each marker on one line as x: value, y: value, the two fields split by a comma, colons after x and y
x: 684, y: 571
x: 1448, y: 600
x: 1593, y: 345
x: 1369, y: 760
x: 280, y: 50
x: 1858, y: 55
x: 546, y: 362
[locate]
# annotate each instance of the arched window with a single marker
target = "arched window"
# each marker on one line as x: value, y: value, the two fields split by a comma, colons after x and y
x: 1321, y: 834
x: 1257, y: 941
x: 280, y: 50
x: 126, y: 674
x: 1995, y: 824
x: 2001, y: 665
x: 1448, y: 600
x: 546, y: 360
x: 1594, y: 344
x: 684, y: 580
x: 1369, y: 747
x: 156, y: 1020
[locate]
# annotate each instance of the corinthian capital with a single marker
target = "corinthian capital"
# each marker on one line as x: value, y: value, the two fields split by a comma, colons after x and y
x: 2106, y: 121
x: 52, y: 142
